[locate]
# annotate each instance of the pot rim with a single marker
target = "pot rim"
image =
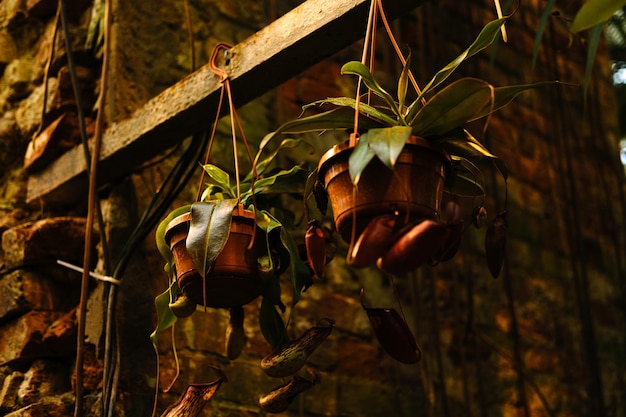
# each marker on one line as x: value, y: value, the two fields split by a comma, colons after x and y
x: 412, y: 140
x: 238, y: 212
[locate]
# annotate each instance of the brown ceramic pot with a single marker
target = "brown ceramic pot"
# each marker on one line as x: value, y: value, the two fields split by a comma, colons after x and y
x: 233, y: 278
x: 414, y: 187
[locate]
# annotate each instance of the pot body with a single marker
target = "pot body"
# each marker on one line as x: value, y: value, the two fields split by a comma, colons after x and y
x: 414, y: 189
x: 233, y: 278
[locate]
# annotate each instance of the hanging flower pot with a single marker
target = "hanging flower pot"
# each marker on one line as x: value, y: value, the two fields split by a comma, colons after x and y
x: 404, y: 148
x: 232, y: 244
x: 413, y: 190
x: 232, y: 279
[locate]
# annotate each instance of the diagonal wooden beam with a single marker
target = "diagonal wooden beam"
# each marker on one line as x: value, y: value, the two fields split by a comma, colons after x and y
x: 309, y: 33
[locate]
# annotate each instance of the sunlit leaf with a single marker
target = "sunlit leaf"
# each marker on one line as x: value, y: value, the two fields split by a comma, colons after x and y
x: 403, y: 82
x: 364, y: 109
x: 220, y: 176
x: 357, y: 68
x: 165, y: 317
x: 164, y: 249
x: 595, y: 12
x: 463, y: 145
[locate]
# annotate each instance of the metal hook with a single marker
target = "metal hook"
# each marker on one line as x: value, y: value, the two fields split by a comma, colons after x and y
x: 213, y: 64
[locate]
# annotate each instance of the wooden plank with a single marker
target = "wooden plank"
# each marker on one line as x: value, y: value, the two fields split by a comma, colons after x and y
x: 286, y: 47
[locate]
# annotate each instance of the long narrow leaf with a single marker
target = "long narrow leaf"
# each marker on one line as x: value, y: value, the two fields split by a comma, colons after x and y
x: 261, y: 165
x: 504, y: 95
x: 543, y: 21
x: 341, y: 118
x: 165, y: 317
x: 594, y: 40
x: 285, y: 181
x: 364, y: 109
x: 357, y: 68
x: 484, y: 39
x: 462, y: 144
x: 465, y: 185
x: 452, y: 107
x: 403, y: 82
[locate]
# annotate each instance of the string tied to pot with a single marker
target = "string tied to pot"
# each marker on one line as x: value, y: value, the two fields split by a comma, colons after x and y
x: 235, y: 125
x: 235, y: 122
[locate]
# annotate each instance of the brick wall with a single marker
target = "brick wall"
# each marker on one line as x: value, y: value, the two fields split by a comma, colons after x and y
x: 545, y: 339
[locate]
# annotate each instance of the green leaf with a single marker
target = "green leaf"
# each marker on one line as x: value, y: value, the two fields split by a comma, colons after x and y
x: 162, y: 246
x: 452, y: 107
x: 357, y: 68
x: 315, y: 197
x: 272, y: 325
x: 359, y: 159
x: 221, y: 177
x: 465, y: 186
x: 387, y: 143
x: 165, y: 317
x: 262, y: 165
x: 215, y: 192
x: 484, y: 39
x: 364, y: 109
x: 341, y: 118
x: 466, y: 179
x: 266, y: 222
x: 594, y: 40
x: 462, y: 144
x: 300, y: 273
x: 208, y: 231
x: 595, y: 12
x: 284, y: 181
x: 543, y: 20
x: 504, y: 95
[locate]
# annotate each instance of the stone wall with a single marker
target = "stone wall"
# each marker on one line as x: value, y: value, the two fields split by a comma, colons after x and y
x: 545, y: 339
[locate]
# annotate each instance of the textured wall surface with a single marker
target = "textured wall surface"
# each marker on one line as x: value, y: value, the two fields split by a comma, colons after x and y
x: 546, y: 338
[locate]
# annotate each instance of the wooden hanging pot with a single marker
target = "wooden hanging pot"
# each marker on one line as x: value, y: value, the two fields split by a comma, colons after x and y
x: 413, y: 190
x: 233, y: 279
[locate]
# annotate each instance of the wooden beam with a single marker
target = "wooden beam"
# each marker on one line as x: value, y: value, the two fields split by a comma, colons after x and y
x: 309, y: 33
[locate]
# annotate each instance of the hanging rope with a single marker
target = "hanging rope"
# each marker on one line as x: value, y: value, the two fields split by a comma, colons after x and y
x: 235, y: 122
